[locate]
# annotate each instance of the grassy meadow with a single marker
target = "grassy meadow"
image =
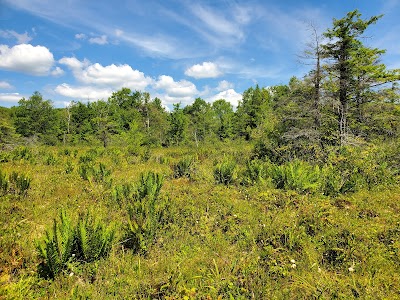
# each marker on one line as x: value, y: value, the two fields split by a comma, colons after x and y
x: 196, y: 223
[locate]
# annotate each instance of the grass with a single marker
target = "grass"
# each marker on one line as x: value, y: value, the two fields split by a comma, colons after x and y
x: 240, y: 241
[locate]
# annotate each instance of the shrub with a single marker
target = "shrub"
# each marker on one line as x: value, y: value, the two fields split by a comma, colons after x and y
x: 184, y: 168
x: 296, y: 175
x: 225, y: 172
x: 255, y: 172
x: 69, y: 167
x: 50, y: 160
x: 86, y: 241
x: 22, y: 153
x: 3, y: 183
x: 93, y: 240
x: 19, y: 184
x: 57, y: 248
x: 145, y: 212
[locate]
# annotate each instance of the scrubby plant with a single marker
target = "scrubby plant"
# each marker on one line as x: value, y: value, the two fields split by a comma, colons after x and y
x: 255, y: 172
x: 101, y: 174
x: 184, y: 168
x: 93, y: 239
x: 85, y: 170
x: 296, y: 175
x: 225, y: 171
x: 122, y: 193
x: 57, y: 248
x: 19, y: 183
x: 22, y: 153
x: 50, y: 160
x: 145, y: 211
x: 64, y: 243
x: 69, y: 167
x: 3, y: 183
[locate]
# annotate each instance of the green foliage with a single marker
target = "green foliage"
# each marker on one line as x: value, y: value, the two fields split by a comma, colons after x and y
x: 184, y: 168
x: 57, y: 248
x: 22, y: 153
x: 225, y: 171
x: 87, y: 241
x: 145, y: 213
x: 17, y: 184
x: 69, y: 167
x: 3, y: 183
x: 93, y: 239
x: 296, y: 175
x: 255, y: 172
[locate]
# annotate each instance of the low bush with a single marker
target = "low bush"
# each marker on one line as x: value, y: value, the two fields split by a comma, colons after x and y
x: 64, y: 243
x: 225, y: 172
x: 184, y: 168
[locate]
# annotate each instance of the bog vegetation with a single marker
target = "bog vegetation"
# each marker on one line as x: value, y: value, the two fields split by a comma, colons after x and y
x: 295, y: 194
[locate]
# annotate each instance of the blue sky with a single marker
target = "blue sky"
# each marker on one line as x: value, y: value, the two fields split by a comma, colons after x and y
x: 177, y: 50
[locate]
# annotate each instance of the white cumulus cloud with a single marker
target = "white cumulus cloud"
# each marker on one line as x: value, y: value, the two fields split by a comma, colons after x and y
x: 115, y: 76
x: 10, y: 97
x: 229, y: 95
x: 83, y: 92
x: 5, y: 85
x: 175, y: 91
x: 57, y: 72
x: 99, y: 40
x: 224, y: 85
x: 25, y: 58
x: 205, y: 70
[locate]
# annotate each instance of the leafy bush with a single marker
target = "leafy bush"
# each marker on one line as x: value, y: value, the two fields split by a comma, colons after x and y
x: 225, y: 172
x: 50, y: 160
x: 254, y: 172
x: 145, y: 212
x: 3, y: 183
x: 93, y: 240
x: 57, y: 248
x: 22, y: 153
x: 69, y: 167
x: 184, y: 168
x: 18, y: 184
x: 86, y: 241
x: 296, y: 175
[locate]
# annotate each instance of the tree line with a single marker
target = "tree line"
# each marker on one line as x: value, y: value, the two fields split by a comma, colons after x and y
x: 349, y: 97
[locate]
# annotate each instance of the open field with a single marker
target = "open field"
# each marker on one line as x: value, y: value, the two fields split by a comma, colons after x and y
x: 241, y: 238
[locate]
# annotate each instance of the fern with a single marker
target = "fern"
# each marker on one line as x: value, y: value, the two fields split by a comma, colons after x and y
x: 57, y: 247
x: 93, y: 239
x: 144, y: 213
x: 225, y: 172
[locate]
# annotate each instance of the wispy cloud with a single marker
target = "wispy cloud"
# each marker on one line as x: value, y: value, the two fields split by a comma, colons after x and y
x: 22, y: 38
x: 4, y: 85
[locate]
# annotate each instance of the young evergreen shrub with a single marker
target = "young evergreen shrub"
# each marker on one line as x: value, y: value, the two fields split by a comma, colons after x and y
x: 57, y: 248
x: 50, y: 160
x: 85, y: 171
x: 296, y: 175
x: 22, y: 153
x: 122, y: 193
x: 3, y: 183
x: 255, y: 172
x: 184, y: 168
x: 101, y: 174
x: 225, y: 172
x: 69, y: 167
x: 87, y: 241
x: 145, y: 211
x: 149, y: 186
x: 93, y: 239
x: 19, y: 184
